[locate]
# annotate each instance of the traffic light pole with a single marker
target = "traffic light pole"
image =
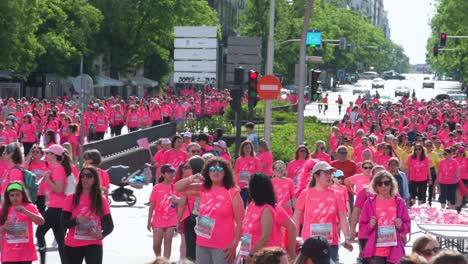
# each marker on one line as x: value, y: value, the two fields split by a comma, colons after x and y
x: 302, y: 53
x: 238, y: 121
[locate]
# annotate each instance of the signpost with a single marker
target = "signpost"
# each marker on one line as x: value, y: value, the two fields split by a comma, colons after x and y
x: 269, y: 87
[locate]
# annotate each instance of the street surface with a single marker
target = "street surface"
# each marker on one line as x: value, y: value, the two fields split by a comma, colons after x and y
x: 413, y: 82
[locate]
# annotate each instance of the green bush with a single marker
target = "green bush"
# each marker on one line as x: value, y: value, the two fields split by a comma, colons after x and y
x: 283, y: 138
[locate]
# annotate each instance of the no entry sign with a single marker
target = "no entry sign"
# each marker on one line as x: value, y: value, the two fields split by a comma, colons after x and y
x: 269, y: 87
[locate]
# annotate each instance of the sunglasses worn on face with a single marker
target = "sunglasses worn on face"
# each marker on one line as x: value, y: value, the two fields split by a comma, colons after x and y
x: 36, y: 152
x: 343, y: 152
x: 218, y: 169
x: 367, y: 168
x: 86, y: 175
x: 279, y: 168
x: 430, y: 251
x: 384, y: 183
x: 339, y: 178
x: 195, y: 151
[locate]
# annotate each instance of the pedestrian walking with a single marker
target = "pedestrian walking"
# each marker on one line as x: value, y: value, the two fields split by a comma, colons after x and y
x: 16, y: 219
x: 339, y: 101
x: 162, y: 214
x: 86, y: 215
x: 60, y: 166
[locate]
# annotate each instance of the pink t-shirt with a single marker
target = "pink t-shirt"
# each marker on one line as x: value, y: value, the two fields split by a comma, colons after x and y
x: 40, y: 169
x: 165, y: 213
x: 361, y: 198
x: 448, y: 171
x: 359, y: 181
x: 252, y: 227
x: 284, y: 190
x: 175, y: 158
x: 4, y: 138
x: 78, y: 236
x: 28, y: 132
x: 385, y: 212
x: 294, y: 170
x: 244, y: 168
x: 266, y: 161
x: 418, y: 169
x: 217, y: 209
x: 321, y: 213
x: 323, y: 157
x: 57, y: 174
x: 463, y: 165
x: 19, y: 246
x: 12, y: 174
x: 104, y: 178
x: 4, y: 169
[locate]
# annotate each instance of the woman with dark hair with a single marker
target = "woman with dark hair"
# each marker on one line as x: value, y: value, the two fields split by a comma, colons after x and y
x: 321, y: 209
x: 426, y: 246
x: 295, y: 166
x: 271, y: 255
x: 92, y: 157
x: 385, y: 219
x: 86, y: 214
x: 449, y: 173
x: 175, y: 156
x: 60, y: 166
x: 187, y: 211
x: 383, y: 157
x: 246, y: 165
x: 220, y: 211
x: 27, y: 133
x: 13, y: 155
x: 38, y: 166
x: 17, y: 216
x: 50, y: 138
x: 419, y: 174
x: 449, y: 257
x: 263, y: 220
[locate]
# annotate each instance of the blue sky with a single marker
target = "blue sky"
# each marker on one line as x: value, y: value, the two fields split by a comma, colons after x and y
x: 410, y: 25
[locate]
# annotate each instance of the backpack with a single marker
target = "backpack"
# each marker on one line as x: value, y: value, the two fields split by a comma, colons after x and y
x: 29, y: 180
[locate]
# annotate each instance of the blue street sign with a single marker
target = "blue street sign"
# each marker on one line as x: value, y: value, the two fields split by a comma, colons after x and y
x: 314, y: 38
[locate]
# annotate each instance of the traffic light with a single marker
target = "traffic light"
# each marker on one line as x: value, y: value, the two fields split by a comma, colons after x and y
x: 314, y: 85
x: 253, y: 96
x: 436, y: 51
x: 239, y: 74
x: 443, y: 39
x: 236, y: 99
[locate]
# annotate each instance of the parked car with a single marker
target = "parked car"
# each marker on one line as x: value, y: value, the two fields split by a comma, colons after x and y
x: 441, y: 97
x: 402, y: 91
x: 428, y: 83
x: 392, y: 75
x: 360, y: 88
x: 458, y: 98
x: 369, y: 75
x: 387, y: 98
x: 378, y: 83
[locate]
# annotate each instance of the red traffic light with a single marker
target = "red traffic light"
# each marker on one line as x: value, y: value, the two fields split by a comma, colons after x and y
x: 443, y: 35
x: 436, y: 51
x: 443, y: 39
x: 253, y: 75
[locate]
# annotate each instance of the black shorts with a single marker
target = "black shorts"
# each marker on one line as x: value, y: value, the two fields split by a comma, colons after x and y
x: 418, y: 189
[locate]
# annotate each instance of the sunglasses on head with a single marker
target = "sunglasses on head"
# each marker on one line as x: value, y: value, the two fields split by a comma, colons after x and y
x: 218, y: 169
x: 430, y: 251
x: 384, y: 183
x: 86, y: 175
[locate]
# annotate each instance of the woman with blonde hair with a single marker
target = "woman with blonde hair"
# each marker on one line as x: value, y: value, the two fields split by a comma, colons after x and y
x: 320, y: 152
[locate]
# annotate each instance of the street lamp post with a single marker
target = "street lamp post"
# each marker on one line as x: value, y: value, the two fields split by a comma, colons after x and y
x: 302, y: 52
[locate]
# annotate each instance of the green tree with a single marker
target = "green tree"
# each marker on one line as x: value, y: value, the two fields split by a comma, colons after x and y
x: 450, y: 18
x: 136, y: 33
x: 19, y: 47
x: 65, y: 33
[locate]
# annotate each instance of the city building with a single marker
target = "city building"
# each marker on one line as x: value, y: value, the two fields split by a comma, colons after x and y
x: 373, y: 10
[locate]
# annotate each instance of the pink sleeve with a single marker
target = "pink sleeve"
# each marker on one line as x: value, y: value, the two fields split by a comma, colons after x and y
x: 153, y: 195
x: 105, y: 179
x: 300, y: 204
x: 32, y: 208
x: 59, y: 175
x: 341, y: 203
x: 361, y: 198
x: 105, y: 206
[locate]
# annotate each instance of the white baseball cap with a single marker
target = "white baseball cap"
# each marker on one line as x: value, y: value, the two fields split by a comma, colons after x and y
x: 165, y: 141
x: 322, y: 165
x: 188, y: 134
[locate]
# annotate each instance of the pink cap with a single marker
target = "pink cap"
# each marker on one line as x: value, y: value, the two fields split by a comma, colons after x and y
x: 221, y: 144
x: 56, y: 149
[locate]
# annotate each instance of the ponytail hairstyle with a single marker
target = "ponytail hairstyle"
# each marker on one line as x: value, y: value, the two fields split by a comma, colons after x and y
x: 65, y: 161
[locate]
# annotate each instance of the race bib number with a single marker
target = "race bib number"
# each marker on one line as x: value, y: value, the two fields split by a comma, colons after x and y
x: 100, y: 122
x: 134, y: 118
x: 83, y: 231
x: 244, y: 176
x: 296, y: 180
x: 245, y: 244
x: 323, y: 230
x: 386, y: 236
x: 204, y: 226
x: 17, y: 233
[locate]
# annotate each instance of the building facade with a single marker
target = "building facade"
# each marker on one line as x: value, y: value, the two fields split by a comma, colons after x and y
x: 373, y: 10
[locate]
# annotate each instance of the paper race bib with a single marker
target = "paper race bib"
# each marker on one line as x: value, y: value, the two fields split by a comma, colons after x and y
x: 17, y: 233
x: 134, y: 118
x: 386, y: 236
x: 100, y: 122
x: 83, y: 231
x: 244, y: 176
x: 323, y: 230
x: 246, y: 244
x: 204, y: 226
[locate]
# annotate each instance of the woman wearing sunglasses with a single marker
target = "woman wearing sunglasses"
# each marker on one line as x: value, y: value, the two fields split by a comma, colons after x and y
x: 359, y: 181
x: 320, y: 152
x: 386, y: 221
x: 86, y: 215
x: 220, y: 211
x: 295, y: 166
x: 419, y: 174
x: 246, y: 165
x: 426, y: 246
x: 36, y: 164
